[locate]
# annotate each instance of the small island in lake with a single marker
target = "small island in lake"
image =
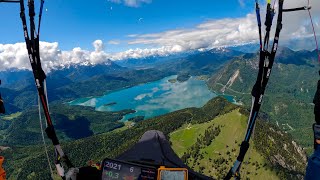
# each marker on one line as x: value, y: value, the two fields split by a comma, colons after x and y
x: 124, y: 112
x: 172, y: 80
x: 110, y: 104
x: 183, y: 77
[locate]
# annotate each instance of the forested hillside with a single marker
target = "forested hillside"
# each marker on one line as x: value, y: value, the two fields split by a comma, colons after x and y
x: 289, y: 94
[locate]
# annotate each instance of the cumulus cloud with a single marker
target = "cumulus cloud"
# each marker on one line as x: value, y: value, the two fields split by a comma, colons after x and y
x: 98, y: 45
x: 232, y: 31
x: 229, y: 31
x: 141, y: 53
x: 131, y: 3
x: 14, y: 56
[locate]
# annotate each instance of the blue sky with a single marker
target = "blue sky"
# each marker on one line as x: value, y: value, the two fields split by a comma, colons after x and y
x: 91, y: 32
x: 75, y: 23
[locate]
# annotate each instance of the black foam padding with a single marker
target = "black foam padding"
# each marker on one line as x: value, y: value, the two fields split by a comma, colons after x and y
x: 154, y: 146
x: 316, y: 101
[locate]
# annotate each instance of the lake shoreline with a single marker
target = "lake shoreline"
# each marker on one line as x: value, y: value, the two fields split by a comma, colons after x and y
x: 154, y: 98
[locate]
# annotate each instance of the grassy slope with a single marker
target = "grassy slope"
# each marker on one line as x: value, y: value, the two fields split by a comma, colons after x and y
x: 233, y: 128
x: 186, y: 136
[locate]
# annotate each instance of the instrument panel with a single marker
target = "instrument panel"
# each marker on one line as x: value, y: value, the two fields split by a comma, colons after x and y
x: 115, y: 169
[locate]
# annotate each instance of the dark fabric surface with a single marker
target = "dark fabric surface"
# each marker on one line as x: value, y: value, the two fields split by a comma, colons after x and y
x: 154, y: 148
x: 313, y: 168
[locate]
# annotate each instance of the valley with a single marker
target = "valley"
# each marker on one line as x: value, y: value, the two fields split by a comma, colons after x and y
x: 217, y: 113
x: 182, y: 97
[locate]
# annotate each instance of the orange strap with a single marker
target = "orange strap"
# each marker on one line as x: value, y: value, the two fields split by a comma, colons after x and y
x: 2, y: 171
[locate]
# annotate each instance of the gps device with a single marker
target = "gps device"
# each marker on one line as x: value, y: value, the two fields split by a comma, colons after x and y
x: 114, y: 169
x: 172, y: 173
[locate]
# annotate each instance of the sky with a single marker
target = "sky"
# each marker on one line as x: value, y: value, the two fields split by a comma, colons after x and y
x: 75, y: 23
x: 78, y: 31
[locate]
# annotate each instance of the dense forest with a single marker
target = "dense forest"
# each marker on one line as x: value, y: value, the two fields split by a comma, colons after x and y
x: 28, y: 162
x: 71, y: 123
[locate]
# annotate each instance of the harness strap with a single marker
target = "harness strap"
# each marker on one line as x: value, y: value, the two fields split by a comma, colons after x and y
x: 33, y: 48
x: 314, y: 33
x: 2, y: 109
x: 316, y: 101
x: 259, y: 23
x: 265, y: 66
x: 8, y: 1
x: 297, y: 9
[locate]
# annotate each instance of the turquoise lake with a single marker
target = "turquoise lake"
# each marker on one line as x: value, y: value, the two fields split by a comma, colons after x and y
x: 154, y: 98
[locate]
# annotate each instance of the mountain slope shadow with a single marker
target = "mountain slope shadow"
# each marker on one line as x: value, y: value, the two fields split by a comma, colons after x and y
x: 75, y: 129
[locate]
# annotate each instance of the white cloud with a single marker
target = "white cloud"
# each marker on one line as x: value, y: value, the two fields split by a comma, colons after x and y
x: 233, y: 31
x: 209, y: 34
x: 131, y: 3
x: 132, y: 35
x: 14, y: 56
x: 11, y: 56
x: 114, y: 42
x: 141, y: 53
x: 98, y: 45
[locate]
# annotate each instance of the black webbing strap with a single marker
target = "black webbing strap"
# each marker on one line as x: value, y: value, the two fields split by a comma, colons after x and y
x: 40, y: 17
x: 316, y: 126
x: 2, y: 109
x: 265, y: 66
x: 259, y: 23
x: 297, y: 9
x: 8, y: 1
x: 268, y: 23
x: 33, y: 48
x: 316, y: 101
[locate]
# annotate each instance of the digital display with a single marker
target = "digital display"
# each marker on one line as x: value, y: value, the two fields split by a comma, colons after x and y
x: 172, y: 175
x: 114, y: 169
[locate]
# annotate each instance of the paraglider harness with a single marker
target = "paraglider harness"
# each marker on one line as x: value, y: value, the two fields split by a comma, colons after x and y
x: 112, y: 168
x: 265, y: 66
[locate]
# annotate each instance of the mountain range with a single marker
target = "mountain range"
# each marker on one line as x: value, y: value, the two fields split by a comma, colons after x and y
x: 286, y: 109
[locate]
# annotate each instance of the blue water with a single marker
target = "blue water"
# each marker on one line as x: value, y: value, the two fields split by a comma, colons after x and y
x: 154, y: 98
